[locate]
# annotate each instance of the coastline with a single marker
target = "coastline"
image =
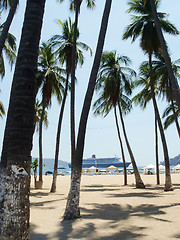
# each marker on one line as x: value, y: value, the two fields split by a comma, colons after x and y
x: 109, y: 210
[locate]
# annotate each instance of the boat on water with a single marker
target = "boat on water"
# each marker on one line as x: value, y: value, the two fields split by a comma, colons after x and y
x: 102, y: 162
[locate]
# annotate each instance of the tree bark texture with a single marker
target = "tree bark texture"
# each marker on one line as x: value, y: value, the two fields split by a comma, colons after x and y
x: 168, y: 184
x: 7, y: 24
x: 167, y: 58
x: 121, y: 145
x: 71, y: 212
x: 139, y: 182
x: 17, y: 143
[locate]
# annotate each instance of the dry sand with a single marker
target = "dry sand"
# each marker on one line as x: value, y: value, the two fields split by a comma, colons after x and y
x: 109, y: 210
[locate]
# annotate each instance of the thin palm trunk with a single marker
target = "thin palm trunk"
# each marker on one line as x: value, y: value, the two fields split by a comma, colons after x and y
x: 17, y: 144
x: 53, y: 187
x: 73, y: 70
x: 167, y: 58
x: 121, y: 145
x: 139, y: 182
x: 7, y: 24
x: 156, y: 151
x: 72, y: 208
x: 40, y: 143
x: 168, y: 184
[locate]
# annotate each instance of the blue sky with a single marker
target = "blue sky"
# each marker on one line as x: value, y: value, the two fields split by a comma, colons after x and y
x: 101, y: 136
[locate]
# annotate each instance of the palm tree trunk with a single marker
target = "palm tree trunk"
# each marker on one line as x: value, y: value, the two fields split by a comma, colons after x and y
x: 139, y: 182
x: 156, y: 150
x: 121, y: 145
x: 72, y: 208
x: 7, y: 24
x: 53, y: 187
x: 17, y: 144
x: 40, y: 143
x: 167, y: 58
x: 168, y: 184
x: 73, y: 70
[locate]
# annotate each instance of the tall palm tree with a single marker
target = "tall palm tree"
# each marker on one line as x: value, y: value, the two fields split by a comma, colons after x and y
x: 17, y: 145
x: 143, y: 26
x: 159, y: 28
x: 115, y: 78
x: 63, y: 45
x: 13, y: 5
x: 72, y: 210
x: 50, y: 83
x: 75, y: 6
x: 9, y: 51
x: 143, y: 97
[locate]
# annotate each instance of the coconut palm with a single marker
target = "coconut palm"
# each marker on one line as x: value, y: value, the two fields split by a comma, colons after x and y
x: 159, y: 28
x: 4, y: 34
x: 17, y: 144
x: 63, y: 45
x: 50, y: 83
x: 38, y: 113
x: 72, y: 210
x: 143, y: 97
x: 143, y: 26
x: 118, y: 79
x: 75, y: 6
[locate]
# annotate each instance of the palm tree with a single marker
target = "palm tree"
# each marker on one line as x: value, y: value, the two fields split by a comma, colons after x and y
x: 75, y: 6
x: 143, y: 97
x: 114, y: 79
x: 13, y: 5
x: 38, y: 113
x: 72, y: 210
x: 17, y: 145
x: 63, y: 45
x: 159, y: 27
x: 50, y: 82
x: 143, y: 26
x: 9, y: 50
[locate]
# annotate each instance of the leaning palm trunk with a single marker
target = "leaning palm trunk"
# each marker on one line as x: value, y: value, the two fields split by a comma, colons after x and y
x: 7, y: 24
x: 121, y: 145
x: 53, y: 187
x: 40, y: 143
x: 72, y: 208
x: 168, y: 184
x: 156, y: 150
x: 139, y: 182
x: 17, y: 144
x: 167, y: 58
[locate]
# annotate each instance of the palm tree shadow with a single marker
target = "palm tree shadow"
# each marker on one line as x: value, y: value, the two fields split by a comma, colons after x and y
x: 35, y: 236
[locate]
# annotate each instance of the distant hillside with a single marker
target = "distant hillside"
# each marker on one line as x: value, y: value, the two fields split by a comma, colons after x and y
x: 173, y: 161
x: 49, y: 164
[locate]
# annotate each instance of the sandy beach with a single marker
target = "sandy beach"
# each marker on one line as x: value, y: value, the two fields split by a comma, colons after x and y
x: 109, y: 210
